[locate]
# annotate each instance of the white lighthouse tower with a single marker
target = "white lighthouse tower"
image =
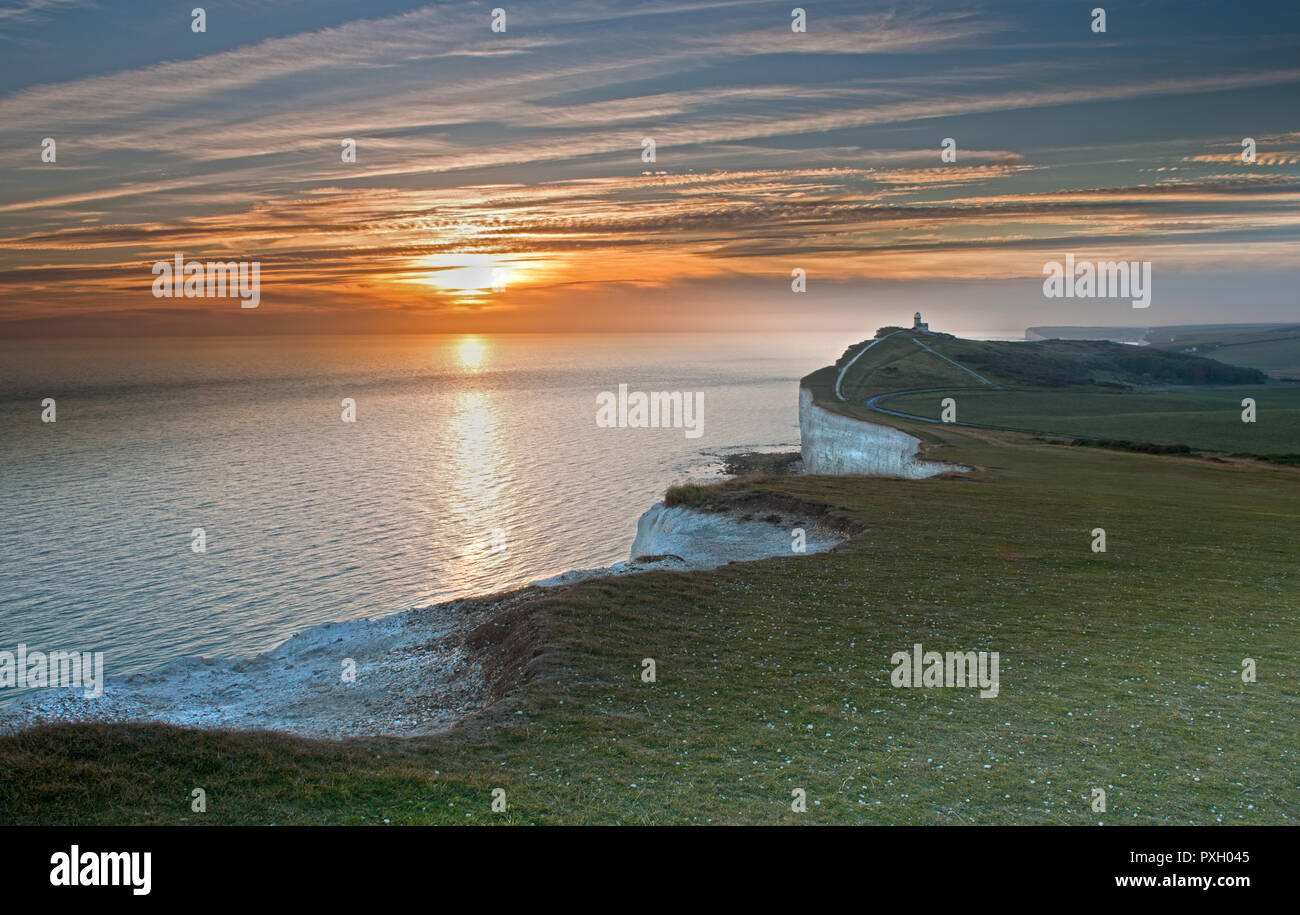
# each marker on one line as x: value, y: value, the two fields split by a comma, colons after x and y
x: 918, y: 324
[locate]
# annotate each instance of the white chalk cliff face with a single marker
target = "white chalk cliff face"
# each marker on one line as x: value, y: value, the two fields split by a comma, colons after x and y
x: 836, y: 445
x: 706, y: 540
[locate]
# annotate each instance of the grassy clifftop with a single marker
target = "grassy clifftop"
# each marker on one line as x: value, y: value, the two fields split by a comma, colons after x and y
x: 1272, y: 348
x: 1080, y: 388
x: 901, y: 358
x: 1275, y: 351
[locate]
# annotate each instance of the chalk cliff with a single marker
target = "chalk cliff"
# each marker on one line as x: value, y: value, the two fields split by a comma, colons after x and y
x: 704, y: 540
x: 836, y: 445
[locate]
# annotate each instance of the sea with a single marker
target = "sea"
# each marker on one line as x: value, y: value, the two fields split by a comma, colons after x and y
x: 205, y: 496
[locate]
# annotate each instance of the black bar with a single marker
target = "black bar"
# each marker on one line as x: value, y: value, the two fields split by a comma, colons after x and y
x: 320, y: 864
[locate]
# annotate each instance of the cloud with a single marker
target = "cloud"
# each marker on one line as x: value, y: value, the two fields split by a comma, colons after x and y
x: 771, y: 146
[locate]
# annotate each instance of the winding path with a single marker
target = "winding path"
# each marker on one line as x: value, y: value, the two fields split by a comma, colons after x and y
x: 859, y: 354
x: 870, y: 404
x: 848, y: 365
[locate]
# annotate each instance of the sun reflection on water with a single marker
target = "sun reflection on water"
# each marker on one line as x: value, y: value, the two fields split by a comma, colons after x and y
x: 481, y: 500
x: 472, y: 351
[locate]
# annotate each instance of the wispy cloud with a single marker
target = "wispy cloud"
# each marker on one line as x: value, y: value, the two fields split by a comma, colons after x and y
x: 770, y: 146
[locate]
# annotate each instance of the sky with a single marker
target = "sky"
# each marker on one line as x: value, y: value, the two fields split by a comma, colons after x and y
x: 500, y: 181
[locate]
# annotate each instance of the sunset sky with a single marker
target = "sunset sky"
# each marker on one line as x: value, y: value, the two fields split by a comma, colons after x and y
x: 522, y: 151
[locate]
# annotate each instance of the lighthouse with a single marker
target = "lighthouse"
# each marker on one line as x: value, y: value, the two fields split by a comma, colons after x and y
x: 918, y: 324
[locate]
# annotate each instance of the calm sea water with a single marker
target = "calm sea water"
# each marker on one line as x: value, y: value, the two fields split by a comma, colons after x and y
x: 309, y: 519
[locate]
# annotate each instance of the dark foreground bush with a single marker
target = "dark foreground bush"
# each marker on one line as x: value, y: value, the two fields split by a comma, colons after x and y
x: 1142, y: 447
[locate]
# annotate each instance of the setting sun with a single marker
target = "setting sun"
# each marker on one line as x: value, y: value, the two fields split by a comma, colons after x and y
x: 470, y: 275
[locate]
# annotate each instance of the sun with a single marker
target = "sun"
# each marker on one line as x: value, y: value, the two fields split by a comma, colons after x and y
x: 470, y: 276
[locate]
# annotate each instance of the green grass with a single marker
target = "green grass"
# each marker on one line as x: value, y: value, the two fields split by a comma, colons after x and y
x: 688, y: 494
x: 1275, y: 351
x: 898, y: 364
x: 1119, y: 670
x: 1204, y: 418
x: 1080, y: 388
x: 1279, y: 356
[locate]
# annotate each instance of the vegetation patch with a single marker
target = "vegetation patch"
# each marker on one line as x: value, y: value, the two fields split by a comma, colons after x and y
x: 1141, y: 447
x: 691, y: 494
x: 762, y: 463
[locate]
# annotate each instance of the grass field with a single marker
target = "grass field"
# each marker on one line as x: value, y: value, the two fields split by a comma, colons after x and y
x: 1119, y: 670
x: 1205, y: 419
x: 897, y: 364
x: 1274, y: 351
x: 907, y: 361
x: 1080, y: 388
x: 1270, y: 348
x: 1279, y: 357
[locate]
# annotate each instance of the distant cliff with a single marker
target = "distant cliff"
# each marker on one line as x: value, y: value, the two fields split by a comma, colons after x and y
x: 1112, y: 334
